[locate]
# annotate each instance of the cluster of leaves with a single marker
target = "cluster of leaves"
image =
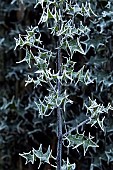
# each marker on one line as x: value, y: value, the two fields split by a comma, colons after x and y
x: 73, y: 38
x: 86, y: 47
x: 45, y: 157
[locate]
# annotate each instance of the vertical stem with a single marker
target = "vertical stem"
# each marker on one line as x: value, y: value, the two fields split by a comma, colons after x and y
x: 59, y: 113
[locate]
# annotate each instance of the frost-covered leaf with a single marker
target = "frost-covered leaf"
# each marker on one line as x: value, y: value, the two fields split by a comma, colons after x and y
x: 109, y: 155
x: 41, y: 2
x: 52, y: 101
x: 47, y: 14
x: 44, y: 157
x: 73, y: 46
x: 28, y: 156
x: 80, y: 139
x: 32, y: 155
x: 29, y: 39
x: 29, y: 55
x: 6, y: 104
x: 95, y: 110
x: 67, y: 166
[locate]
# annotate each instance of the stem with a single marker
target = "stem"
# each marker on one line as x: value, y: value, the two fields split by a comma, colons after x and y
x: 59, y: 113
x: 75, y: 128
x: 40, y: 48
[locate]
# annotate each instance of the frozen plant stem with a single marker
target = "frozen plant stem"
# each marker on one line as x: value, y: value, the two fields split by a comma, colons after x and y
x: 59, y: 113
x: 75, y: 128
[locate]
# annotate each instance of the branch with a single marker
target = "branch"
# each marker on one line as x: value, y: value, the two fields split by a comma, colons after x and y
x: 40, y: 48
x: 59, y: 114
x: 75, y: 128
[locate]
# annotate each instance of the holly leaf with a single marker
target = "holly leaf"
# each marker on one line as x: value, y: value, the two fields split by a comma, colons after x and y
x: 32, y: 155
x: 44, y: 157
x: 28, y: 156
x: 79, y: 139
x: 67, y: 166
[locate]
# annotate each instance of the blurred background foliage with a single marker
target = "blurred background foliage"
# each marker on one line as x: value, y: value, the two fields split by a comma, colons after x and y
x: 20, y: 127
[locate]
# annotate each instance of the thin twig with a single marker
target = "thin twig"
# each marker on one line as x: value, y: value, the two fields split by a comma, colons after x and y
x: 75, y: 128
x: 40, y: 48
